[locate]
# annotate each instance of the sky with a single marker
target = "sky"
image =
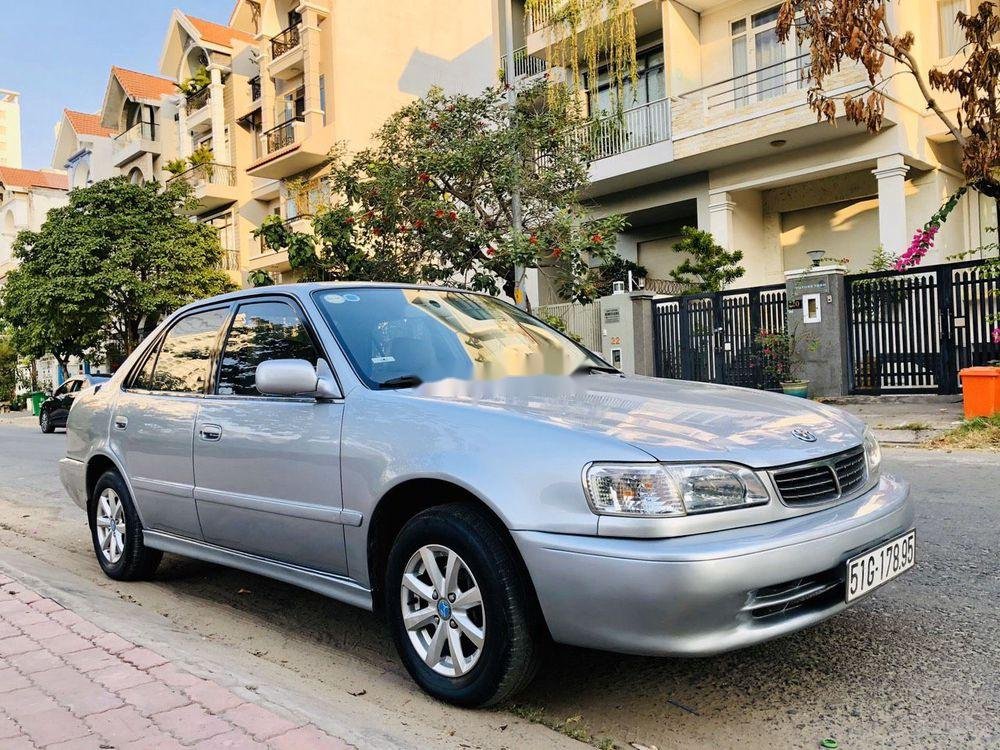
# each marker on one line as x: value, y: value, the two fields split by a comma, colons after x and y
x: 58, y: 53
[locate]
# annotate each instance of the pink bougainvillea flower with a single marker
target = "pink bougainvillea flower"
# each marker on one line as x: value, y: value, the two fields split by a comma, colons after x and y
x: 996, y: 335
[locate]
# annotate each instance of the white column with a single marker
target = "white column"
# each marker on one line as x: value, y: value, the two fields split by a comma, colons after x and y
x: 893, y: 229
x: 217, y: 111
x: 311, y: 65
x: 184, y: 145
x: 721, y: 218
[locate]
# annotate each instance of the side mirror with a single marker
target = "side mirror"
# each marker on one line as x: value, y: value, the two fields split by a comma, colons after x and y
x: 293, y: 377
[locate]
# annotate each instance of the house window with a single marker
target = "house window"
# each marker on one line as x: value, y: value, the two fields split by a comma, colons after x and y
x: 650, y: 84
x: 763, y: 67
x: 322, y: 96
x: 950, y: 35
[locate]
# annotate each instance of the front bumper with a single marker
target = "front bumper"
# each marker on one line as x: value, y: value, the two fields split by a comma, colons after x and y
x: 702, y: 594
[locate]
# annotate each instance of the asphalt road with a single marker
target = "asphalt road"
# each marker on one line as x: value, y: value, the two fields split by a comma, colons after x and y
x: 915, y: 665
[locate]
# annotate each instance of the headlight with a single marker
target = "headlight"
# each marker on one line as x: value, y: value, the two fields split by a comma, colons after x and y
x: 666, y: 490
x: 873, y: 453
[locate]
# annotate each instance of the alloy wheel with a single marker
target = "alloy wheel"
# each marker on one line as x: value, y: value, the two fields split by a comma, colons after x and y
x: 110, y: 525
x: 443, y: 610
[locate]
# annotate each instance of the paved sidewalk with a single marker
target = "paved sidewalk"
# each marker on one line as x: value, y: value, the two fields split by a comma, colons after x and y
x: 66, y: 683
x: 904, y: 420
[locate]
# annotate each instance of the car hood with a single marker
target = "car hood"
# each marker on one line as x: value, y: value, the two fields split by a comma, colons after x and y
x: 671, y: 420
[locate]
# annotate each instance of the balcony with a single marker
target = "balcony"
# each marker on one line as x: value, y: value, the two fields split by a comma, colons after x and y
x: 212, y: 185
x: 196, y: 101
x: 285, y: 41
x: 289, y: 148
x: 758, y: 104
x: 609, y: 135
x: 526, y: 66
x: 139, y: 139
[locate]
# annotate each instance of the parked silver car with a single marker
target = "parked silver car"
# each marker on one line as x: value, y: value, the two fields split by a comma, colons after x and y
x: 423, y: 452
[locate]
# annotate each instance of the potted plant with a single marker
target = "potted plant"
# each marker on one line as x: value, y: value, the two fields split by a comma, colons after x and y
x: 202, y: 159
x: 781, y: 363
x: 176, y: 166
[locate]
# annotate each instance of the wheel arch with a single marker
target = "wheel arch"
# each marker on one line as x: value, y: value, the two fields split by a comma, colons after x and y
x: 405, y: 500
x: 97, y: 465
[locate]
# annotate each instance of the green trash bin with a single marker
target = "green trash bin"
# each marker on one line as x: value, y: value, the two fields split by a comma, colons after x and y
x: 36, y: 402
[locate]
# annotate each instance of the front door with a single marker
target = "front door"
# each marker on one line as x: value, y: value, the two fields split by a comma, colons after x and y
x: 267, y: 468
x: 152, y: 425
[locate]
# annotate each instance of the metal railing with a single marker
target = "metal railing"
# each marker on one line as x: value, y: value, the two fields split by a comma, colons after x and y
x: 757, y: 85
x: 611, y: 134
x: 254, y: 88
x: 198, y: 99
x: 141, y: 131
x: 214, y: 174
x: 525, y: 65
x: 542, y: 15
x: 230, y: 260
x: 281, y: 135
x: 285, y: 41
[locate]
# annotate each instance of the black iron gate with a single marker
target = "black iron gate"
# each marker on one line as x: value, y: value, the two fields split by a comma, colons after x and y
x: 912, y: 332
x: 711, y: 337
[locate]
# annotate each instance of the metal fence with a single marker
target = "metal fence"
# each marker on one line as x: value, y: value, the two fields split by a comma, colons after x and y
x: 912, y: 332
x: 711, y: 337
x: 615, y: 133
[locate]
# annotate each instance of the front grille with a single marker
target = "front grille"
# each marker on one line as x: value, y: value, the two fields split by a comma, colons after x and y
x: 809, y: 593
x: 821, y: 481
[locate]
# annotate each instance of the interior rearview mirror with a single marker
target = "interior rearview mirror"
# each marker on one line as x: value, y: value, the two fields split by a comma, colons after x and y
x: 294, y: 377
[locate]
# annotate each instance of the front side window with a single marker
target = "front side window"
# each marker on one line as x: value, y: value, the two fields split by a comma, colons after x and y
x: 185, y: 355
x: 261, y: 331
x: 433, y: 334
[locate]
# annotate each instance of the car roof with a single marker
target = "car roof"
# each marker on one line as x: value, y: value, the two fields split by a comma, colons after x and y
x: 304, y: 289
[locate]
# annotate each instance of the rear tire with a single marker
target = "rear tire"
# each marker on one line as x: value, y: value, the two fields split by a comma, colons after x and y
x: 463, y: 538
x: 45, y: 422
x: 117, y: 532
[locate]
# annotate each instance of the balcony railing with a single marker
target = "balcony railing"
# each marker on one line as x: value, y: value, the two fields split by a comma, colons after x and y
x: 611, y: 134
x: 281, y: 135
x: 542, y: 15
x: 286, y: 41
x: 230, y: 260
x: 197, y: 100
x: 255, y: 89
x: 214, y: 174
x: 525, y: 65
x: 141, y: 131
x: 755, y: 86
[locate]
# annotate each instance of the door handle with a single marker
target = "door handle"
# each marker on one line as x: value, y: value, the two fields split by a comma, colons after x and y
x: 121, y: 423
x: 210, y: 432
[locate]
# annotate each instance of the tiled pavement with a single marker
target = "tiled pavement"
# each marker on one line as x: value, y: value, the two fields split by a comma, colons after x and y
x: 67, y: 684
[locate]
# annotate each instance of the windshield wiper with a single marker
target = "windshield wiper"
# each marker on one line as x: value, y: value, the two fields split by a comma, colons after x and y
x: 589, y: 369
x: 403, y: 381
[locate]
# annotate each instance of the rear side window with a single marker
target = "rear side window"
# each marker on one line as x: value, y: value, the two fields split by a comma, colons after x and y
x: 185, y: 355
x: 261, y: 331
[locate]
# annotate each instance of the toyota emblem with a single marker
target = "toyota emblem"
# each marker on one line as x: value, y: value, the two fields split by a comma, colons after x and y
x: 804, y: 435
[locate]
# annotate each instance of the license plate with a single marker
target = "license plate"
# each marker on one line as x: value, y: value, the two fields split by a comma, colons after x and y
x: 880, y: 565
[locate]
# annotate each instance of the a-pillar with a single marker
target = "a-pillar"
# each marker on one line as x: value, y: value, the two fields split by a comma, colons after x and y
x: 722, y: 218
x: 217, y: 113
x: 893, y: 229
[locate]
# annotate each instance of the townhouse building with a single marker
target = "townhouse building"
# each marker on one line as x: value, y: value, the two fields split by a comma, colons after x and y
x: 717, y: 134
x: 83, y: 149
x: 10, y: 129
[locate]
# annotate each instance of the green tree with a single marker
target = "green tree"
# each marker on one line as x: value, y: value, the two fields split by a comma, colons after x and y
x: 430, y: 201
x: 709, y: 267
x: 8, y: 367
x: 106, y: 268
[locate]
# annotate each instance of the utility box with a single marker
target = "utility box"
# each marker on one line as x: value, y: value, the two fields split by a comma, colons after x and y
x: 617, y: 332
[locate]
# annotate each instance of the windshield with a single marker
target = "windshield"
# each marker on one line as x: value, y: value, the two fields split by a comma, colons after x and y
x: 408, y: 336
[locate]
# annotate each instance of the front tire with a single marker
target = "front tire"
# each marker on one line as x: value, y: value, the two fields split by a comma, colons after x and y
x: 45, y: 422
x: 117, y: 532
x: 461, y: 611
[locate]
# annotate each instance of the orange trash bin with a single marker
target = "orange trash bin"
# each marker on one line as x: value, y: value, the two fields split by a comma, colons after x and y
x: 980, y: 391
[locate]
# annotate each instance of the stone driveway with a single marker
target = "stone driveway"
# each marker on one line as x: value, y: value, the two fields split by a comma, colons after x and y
x: 66, y: 683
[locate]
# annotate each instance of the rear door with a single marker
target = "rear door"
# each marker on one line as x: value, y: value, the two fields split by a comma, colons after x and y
x: 152, y: 424
x: 267, y: 468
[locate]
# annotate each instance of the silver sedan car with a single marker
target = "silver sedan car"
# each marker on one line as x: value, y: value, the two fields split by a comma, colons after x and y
x: 481, y: 480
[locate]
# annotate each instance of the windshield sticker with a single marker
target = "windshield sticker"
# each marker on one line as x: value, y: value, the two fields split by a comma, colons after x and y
x: 334, y: 299
x: 382, y: 360
x: 352, y: 298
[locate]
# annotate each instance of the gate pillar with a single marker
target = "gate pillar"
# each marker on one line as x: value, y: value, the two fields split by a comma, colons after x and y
x: 817, y: 316
x: 627, y: 331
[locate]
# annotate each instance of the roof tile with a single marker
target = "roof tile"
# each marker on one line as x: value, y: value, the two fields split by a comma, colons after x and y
x: 143, y: 85
x: 33, y: 178
x: 215, y: 33
x: 87, y: 124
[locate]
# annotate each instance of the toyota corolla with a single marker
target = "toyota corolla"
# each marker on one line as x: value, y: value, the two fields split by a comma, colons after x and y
x: 481, y: 480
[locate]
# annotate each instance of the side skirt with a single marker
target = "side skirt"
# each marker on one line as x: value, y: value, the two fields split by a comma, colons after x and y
x: 336, y: 587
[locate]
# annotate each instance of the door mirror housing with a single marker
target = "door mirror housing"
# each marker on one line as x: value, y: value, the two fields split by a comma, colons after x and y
x: 294, y: 377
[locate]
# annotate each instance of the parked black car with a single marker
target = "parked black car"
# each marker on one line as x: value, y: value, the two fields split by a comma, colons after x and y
x: 55, y: 408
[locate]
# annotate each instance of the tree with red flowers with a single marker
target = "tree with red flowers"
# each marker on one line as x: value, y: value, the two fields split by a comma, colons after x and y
x: 431, y: 201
